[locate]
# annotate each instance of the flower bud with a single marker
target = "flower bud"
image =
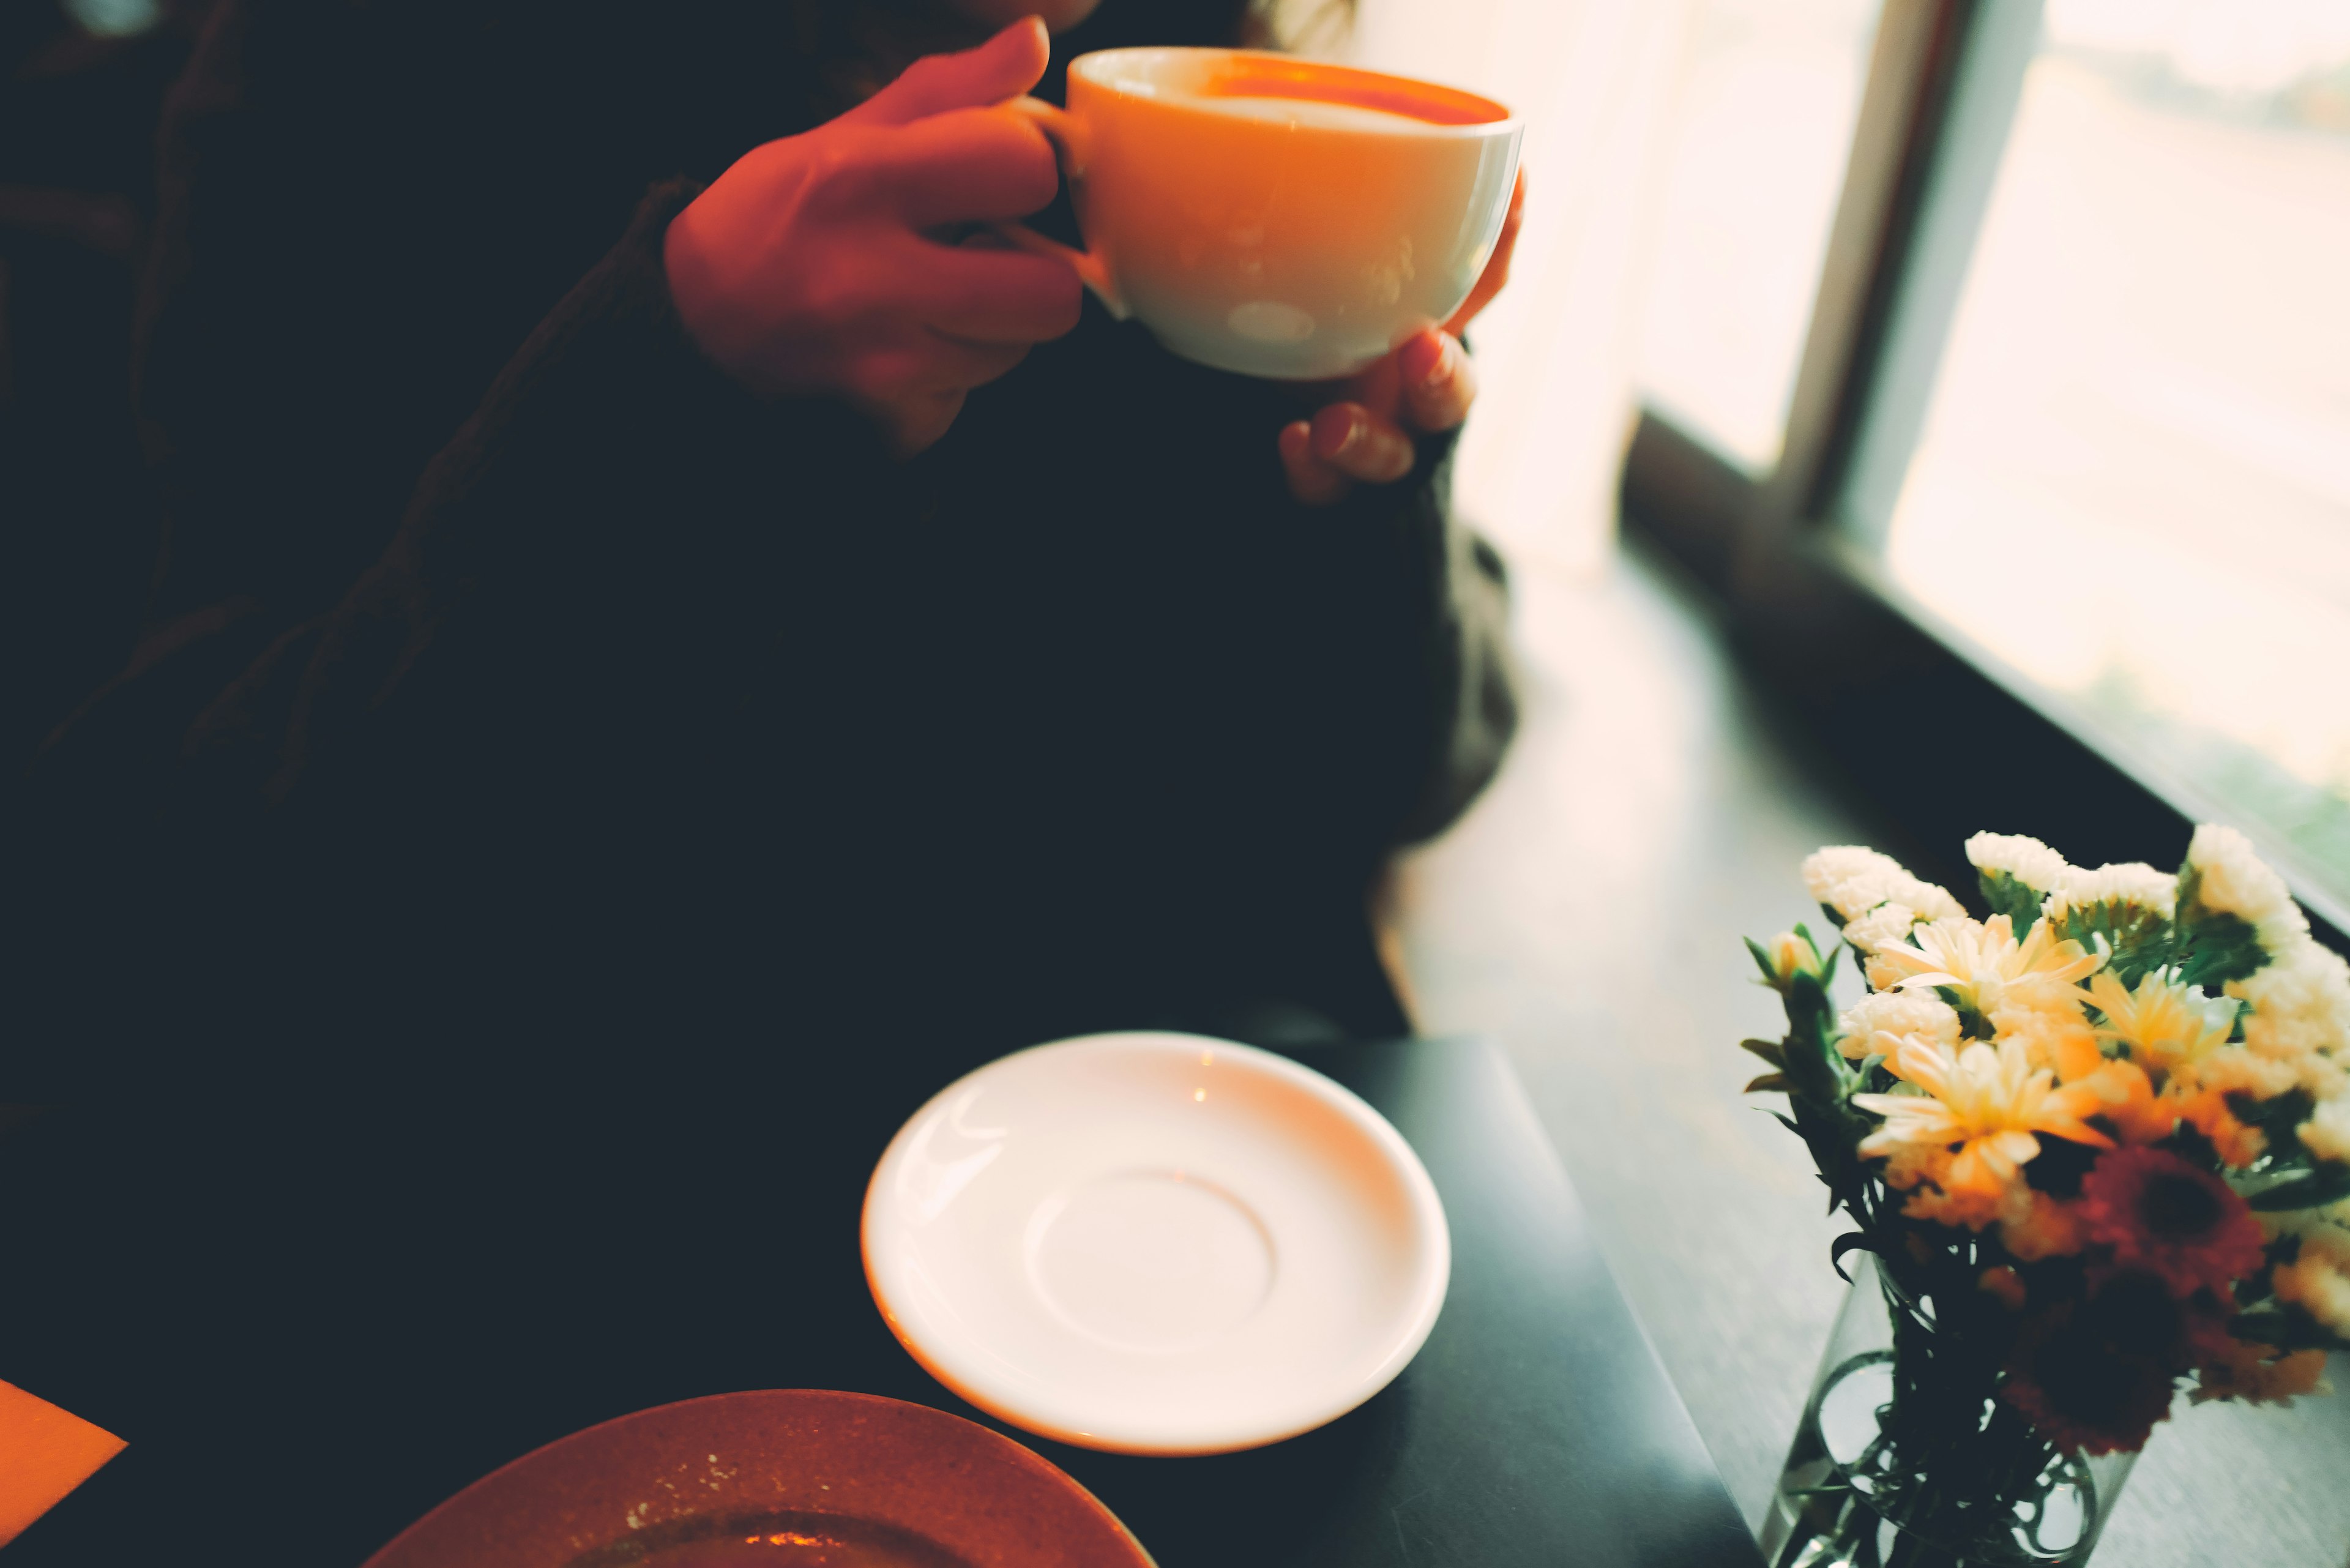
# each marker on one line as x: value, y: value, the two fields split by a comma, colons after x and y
x: 1792, y: 954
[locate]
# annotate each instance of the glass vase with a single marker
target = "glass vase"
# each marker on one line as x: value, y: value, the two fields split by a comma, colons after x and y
x: 1904, y: 1458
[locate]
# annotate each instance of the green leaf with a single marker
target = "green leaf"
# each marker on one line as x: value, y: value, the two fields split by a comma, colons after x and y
x: 1829, y: 952
x: 2276, y: 1116
x: 2138, y: 939
x: 1767, y: 1083
x: 1761, y: 962
x: 1771, y: 1051
x: 2015, y: 900
x: 2326, y: 1184
x: 2286, y: 1326
x: 2217, y: 947
x: 1850, y: 1241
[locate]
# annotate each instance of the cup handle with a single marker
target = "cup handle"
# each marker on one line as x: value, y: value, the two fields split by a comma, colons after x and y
x: 1069, y: 138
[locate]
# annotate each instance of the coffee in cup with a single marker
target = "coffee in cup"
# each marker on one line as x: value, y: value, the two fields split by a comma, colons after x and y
x: 1275, y: 216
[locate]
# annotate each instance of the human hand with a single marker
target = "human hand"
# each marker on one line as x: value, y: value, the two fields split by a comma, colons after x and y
x: 1426, y: 384
x: 811, y: 265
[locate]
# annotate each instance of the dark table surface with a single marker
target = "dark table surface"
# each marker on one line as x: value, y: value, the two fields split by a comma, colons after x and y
x: 301, y: 1367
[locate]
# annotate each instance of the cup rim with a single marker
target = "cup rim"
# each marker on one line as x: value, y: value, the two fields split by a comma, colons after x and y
x: 1092, y: 65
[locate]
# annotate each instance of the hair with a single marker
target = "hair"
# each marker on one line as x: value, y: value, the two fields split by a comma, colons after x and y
x: 1304, y: 26
x: 893, y: 32
x: 859, y: 47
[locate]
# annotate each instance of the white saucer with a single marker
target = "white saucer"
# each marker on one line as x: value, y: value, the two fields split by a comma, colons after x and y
x: 1156, y: 1244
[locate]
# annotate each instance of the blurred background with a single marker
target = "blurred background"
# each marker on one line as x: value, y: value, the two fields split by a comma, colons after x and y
x: 1907, y: 416
x: 80, y: 88
x: 2106, y: 450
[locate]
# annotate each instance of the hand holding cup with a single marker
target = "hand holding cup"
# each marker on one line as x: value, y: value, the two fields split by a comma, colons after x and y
x: 814, y: 264
x: 1427, y: 385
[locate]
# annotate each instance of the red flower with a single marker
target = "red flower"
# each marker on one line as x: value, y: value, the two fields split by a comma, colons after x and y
x: 2161, y: 1215
x: 2096, y: 1376
x: 2100, y: 1404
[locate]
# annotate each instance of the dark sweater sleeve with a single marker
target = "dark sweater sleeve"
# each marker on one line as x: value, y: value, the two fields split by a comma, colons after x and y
x: 1472, y: 684
x: 576, y: 575
x: 1410, y: 608
x: 602, y: 459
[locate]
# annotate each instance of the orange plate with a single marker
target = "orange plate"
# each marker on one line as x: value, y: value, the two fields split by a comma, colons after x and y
x: 787, y: 1478
x: 44, y: 1453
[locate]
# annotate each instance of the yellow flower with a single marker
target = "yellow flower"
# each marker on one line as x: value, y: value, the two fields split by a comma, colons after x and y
x: 2319, y: 1279
x: 2125, y: 1097
x: 1985, y: 1106
x: 2241, y: 1369
x: 1982, y: 962
x: 2005, y: 1283
x: 2046, y: 1228
x: 2207, y: 1109
x: 2057, y: 1037
x: 2166, y: 1026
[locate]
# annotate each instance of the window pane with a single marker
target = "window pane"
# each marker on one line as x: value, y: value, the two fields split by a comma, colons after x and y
x: 1761, y: 134
x: 2133, y: 483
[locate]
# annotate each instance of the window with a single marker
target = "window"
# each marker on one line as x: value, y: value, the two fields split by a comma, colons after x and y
x: 1760, y: 132
x: 2124, y: 489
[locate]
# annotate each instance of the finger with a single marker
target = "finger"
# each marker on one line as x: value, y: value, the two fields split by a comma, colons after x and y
x: 996, y: 296
x: 1360, y: 444
x: 925, y: 364
x: 960, y: 364
x: 968, y: 165
x: 1496, y: 275
x: 1006, y: 66
x: 916, y: 422
x: 1440, y: 381
x: 1311, y: 481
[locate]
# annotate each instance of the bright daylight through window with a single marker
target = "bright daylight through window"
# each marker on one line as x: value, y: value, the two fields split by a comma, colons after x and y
x: 2131, y: 493
x: 1755, y: 157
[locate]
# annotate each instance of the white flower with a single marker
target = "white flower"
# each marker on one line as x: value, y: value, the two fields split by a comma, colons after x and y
x: 2027, y: 860
x: 1878, y: 1022
x: 2235, y: 881
x: 1852, y: 880
x: 2319, y: 1279
x: 2299, y: 1012
x: 2130, y: 882
x: 2236, y: 1071
x: 2326, y: 1133
x: 1889, y: 922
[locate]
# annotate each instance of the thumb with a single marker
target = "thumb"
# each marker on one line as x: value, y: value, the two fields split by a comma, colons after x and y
x: 1007, y: 64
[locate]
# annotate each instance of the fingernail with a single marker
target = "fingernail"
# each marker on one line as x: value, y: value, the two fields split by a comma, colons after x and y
x: 1421, y: 360
x: 1442, y: 369
x: 1358, y: 428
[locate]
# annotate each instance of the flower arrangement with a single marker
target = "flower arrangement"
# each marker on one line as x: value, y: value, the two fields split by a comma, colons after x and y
x: 2098, y: 1143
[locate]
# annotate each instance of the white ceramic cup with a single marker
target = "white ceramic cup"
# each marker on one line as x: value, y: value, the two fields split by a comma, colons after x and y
x: 1275, y: 216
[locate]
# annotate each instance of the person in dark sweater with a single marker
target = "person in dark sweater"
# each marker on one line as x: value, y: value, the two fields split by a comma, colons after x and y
x: 561, y: 630
x: 607, y: 747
